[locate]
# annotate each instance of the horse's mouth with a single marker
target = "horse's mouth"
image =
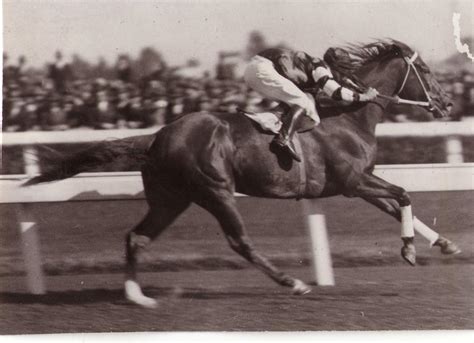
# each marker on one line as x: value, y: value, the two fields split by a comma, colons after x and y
x: 441, y: 112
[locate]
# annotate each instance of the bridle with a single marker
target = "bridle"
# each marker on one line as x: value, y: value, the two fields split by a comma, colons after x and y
x: 396, y: 99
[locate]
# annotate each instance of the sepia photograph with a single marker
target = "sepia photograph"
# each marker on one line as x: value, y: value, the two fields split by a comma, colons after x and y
x: 264, y: 166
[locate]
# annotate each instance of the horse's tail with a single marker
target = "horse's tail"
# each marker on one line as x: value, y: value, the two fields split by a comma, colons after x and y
x: 132, y: 151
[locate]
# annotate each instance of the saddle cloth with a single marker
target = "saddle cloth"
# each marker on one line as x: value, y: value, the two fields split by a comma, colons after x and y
x: 268, y: 121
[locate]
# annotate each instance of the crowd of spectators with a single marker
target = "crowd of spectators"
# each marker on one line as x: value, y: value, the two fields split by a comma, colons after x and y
x: 56, y: 100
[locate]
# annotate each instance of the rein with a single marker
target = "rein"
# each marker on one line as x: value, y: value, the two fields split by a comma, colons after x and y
x: 396, y: 99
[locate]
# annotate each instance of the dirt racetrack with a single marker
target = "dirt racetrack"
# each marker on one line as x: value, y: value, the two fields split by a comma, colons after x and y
x: 211, y: 288
x: 368, y: 298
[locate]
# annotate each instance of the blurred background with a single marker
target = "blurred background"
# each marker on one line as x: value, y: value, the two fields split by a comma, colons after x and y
x: 128, y: 64
x: 82, y: 65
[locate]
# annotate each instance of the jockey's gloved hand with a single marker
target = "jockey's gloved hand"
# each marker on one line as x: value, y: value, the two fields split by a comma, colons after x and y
x: 370, y: 94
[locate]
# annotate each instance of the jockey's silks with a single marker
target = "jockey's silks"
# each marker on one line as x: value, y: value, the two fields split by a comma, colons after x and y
x: 306, y: 72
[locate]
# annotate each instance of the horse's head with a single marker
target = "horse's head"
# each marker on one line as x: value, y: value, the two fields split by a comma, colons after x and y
x: 416, y: 85
x: 419, y: 84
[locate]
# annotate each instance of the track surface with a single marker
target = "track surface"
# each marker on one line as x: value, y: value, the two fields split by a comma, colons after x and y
x: 369, y: 298
x: 88, y: 237
x: 383, y: 295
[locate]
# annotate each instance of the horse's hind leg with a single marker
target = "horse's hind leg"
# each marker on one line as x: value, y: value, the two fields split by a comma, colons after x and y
x: 162, y: 213
x: 222, y: 206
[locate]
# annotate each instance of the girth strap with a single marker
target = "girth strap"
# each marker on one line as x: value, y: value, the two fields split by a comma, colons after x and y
x: 301, y: 168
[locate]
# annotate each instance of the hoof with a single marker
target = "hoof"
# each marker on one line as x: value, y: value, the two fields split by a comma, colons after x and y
x: 134, y: 294
x: 447, y: 247
x: 145, y: 302
x: 409, y: 254
x: 300, y: 288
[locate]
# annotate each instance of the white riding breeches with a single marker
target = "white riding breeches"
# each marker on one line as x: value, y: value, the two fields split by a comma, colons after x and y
x: 262, y: 76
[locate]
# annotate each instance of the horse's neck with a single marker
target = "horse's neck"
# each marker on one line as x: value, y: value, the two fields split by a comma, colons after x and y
x: 384, y: 82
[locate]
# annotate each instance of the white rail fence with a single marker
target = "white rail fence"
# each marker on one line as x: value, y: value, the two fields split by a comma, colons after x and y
x: 451, y: 131
x: 127, y: 185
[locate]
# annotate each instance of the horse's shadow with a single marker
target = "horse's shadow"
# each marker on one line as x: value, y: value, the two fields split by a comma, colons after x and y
x: 70, y: 297
x: 116, y: 296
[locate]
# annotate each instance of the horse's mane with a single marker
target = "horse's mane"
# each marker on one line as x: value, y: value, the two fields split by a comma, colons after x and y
x: 379, y: 50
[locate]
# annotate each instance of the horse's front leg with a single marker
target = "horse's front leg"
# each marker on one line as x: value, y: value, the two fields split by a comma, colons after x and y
x: 389, y: 202
x: 372, y: 188
x: 391, y: 207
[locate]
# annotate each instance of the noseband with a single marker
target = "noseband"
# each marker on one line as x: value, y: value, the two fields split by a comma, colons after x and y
x: 411, y: 66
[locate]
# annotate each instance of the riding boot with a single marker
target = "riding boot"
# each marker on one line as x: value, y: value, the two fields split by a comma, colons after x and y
x: 284, y: 139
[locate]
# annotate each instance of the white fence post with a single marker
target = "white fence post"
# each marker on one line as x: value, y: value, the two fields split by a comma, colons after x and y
x: 454, y: 149
x: 30, y: 155
x: 30, y: 245
x: 321, y: 253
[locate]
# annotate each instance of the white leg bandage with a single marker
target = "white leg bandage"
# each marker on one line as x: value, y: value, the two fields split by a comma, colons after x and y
x: 133, y: 292
x: 407, y: 222
x: 425, y: 231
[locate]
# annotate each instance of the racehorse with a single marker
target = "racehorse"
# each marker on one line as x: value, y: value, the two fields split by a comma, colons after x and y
x: 204, y: 158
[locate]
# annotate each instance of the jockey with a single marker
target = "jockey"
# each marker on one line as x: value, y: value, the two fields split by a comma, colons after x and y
x: 282, y: 74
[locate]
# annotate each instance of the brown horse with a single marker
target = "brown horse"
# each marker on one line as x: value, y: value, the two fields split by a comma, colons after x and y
x: 206, y: 157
